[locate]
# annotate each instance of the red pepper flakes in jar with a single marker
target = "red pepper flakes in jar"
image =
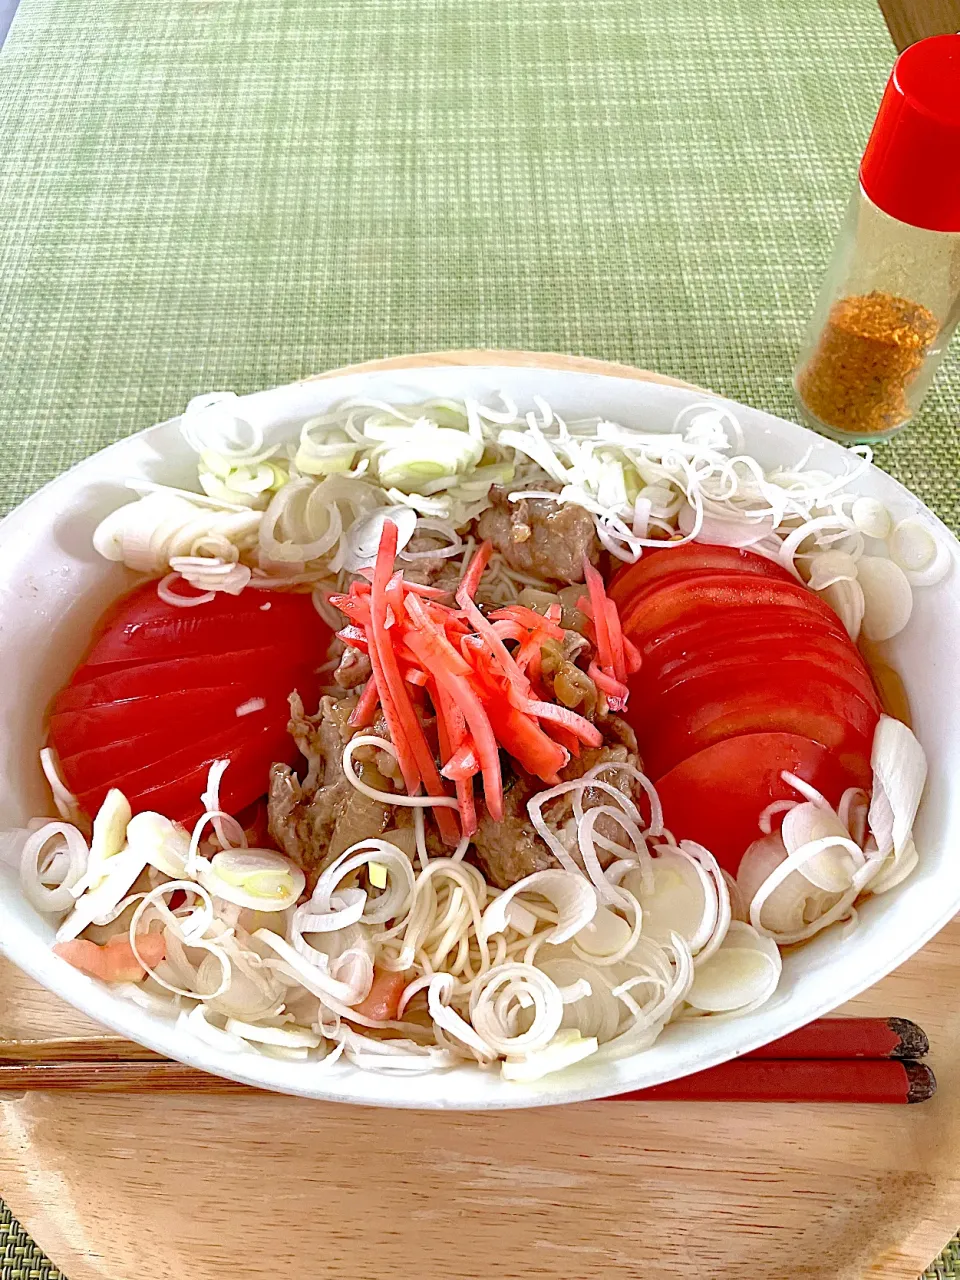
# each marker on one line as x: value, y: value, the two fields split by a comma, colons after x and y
x: 892, y: 295
x: 868, y: 352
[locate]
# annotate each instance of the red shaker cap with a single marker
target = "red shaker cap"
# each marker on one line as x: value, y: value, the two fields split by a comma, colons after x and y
x: 911, y: 167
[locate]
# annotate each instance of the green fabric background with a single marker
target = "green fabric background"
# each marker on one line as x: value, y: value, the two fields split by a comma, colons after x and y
x: 200, y: 194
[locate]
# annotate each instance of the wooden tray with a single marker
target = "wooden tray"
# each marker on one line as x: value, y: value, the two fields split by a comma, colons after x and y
x: 140, y: 1188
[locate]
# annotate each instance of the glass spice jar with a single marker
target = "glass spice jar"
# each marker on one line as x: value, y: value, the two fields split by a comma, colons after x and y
x: 891, y: 298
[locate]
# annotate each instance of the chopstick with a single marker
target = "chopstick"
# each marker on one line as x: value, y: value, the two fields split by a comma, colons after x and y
x: 850, y: 1038
x: 853, y: 1060
x: 798, y: 1080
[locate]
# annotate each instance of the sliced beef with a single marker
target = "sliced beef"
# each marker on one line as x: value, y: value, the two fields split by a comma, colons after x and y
x: 536, y: 536
x: 353, y: 670
x: 316, y: 820
x: 438, y: 571
x: 507, y: 851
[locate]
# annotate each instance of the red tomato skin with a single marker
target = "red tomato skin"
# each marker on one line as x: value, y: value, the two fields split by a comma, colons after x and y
x: 689, y: 558
x: 266, y: 667
x: 755, y: 700
x: 98, y: 765
x: 173, y: 785
x: 835, y: 658
x: 701, y: 634
x: 142, y: 628
x: 711, y: 596
x: 155, y: 702
x: 172, y: 716
x: 716, y: 796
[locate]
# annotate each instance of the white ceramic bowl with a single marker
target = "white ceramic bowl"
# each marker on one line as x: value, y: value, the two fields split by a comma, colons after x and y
x: 53, y: 586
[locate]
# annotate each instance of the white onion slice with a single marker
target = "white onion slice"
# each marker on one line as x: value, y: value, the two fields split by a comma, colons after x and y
x: 596, y: 1014
x: 63, y: 797
x: 361, y: 541
x: 392, y: 902
x: 829, y: 567
x: 887, y: 597
x: 607, y: 934
x: 197, y: 1024
x: 574, y: 898
x: 846, y: 599
x: 505, y: 992
x: 744, y: 971
x: 833, y: 869
x: 791, y: 905
x: 259, y: 879
x: 566, y: 1048
x: 286, y: 1037
x: 439, y: 991
x: 683, y: 899
x: 871, y: 517
x: 899, y: 776
x: 47, y: 876
x: 107, y: 840
x: 923, y: 556
x: 162, y: 843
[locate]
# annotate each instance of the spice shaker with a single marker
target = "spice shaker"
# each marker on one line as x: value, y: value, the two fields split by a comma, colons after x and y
x: 891, y: 298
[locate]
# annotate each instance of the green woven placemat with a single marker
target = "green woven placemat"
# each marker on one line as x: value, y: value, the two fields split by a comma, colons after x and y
x: 203, y: 194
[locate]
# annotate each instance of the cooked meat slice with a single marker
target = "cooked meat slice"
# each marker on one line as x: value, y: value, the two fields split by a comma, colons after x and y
x: 616, y: 730
x: 431, y: 571
x: 314, y: 821
x: 510, y: 849
x: 315, y: 829
x: 354, y: 669
x: 542, y: 538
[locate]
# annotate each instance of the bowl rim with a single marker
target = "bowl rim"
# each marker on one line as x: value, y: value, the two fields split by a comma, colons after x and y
x: 85, y: 995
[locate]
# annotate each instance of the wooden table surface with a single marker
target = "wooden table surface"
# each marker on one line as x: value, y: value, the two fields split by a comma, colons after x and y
x: 264, y: 1187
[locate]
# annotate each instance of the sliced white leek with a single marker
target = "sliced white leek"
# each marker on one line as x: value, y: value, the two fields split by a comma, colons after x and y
x: 744, y: 971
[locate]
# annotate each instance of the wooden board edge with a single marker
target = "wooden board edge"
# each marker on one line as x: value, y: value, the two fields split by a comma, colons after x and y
x: 478, y: 356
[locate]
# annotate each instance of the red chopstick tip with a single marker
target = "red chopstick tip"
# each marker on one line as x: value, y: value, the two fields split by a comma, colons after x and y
x: 913, y: 1039
x: 922, y: 1082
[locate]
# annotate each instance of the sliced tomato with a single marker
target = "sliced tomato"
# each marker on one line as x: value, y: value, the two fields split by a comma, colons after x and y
x: 697, y: 634
x: 261, y: 668
x: 838, y: 658
x: 99, y: 765
x: 806, y: 700
x: 157, y: 699
x: 689, y: 558
x: 172, y: 785
x: 709, y: 596
x: 178, y: 715
x: 716, y: 796
x: 142, y: 628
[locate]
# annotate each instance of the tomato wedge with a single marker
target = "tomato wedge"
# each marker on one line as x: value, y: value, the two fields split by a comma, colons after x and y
x: 709, y: 596
x: 756, y: 700
x: 177, y: 715
x: 838, y: 658
x: 689, y: 558
x: 142, y: 628
x: 259, y: 669
x: 696, y: 635
x: 172, y: 785
x: 87, y: 768
x: 156, y: 700
x: 716, y: 796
